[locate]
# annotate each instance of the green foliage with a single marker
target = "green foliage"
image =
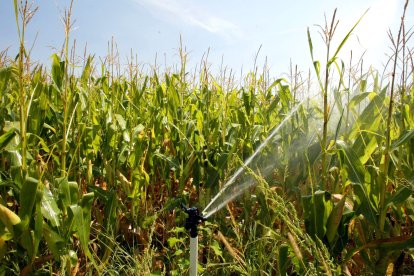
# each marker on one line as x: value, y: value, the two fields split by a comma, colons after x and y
x: 93, y: 164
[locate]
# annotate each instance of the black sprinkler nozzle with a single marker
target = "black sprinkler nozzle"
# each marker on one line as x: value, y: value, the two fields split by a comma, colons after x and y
x: 193, y: 220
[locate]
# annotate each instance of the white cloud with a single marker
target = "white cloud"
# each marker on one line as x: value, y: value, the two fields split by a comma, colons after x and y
x: 190, y: 13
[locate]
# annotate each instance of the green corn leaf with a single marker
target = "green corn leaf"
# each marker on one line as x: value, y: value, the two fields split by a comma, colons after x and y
x: 50, y: 209
x: 356, y: 175
x: 310, y: 44
x: 5, y: 74
x: 273, y: 105
x: 27, y: 199
x: 187, y: 170
x: 333, y: 58
x: 7, y: 137
x: 199, y: 120
x: 409, y: 203
x: 370, y: 147
x: 365, y: 207
x: 16, y: 13
x: 57, y: 71
x: 82, y: 219
x: 3, y: 248
x: 173, y: 241
x: 341, y: 239
x: 408, y: 115
x: 391, y: 244
x: 247, y: 100
x: 8, y: 218
x: 363, y: 85
x: 110, y: 210
x: 87, y: 71
x: 317, y: 208
x: 285, y: 96
x: 356, y: 171
x: 405, y: 137
x: 121, y: 121
x: 172, y: 162
x: 399, y: 197
x: 49, y: 127
x: 82, y: 226
x: 339, y: 124
x: 101, y: 194
x: 109, y: 200
x: 335, y: 219
x: 216, y: 248
x: 317, y: 66
x: 358, y: 98
x: 92, y: 140
x: 38, y: 225
x: 55, y: 242
x: 274, y: 84
x: 68, y: 192
x: 30, y: 234
x: 283, y: 259
x: 26, y: 240
x: 371, y: 116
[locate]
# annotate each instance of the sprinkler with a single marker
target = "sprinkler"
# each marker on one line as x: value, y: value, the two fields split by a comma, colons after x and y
x: 191, y: 224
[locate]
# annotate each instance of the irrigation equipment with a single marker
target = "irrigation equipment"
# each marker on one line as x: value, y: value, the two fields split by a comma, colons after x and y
x: 191, y: 224
x: 229, y: 192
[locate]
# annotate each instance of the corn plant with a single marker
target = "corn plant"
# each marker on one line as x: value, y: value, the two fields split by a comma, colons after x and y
x: 93, y: 164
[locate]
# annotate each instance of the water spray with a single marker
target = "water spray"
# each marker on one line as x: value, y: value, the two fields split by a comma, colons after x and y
x: 191, y: 224
x: 230, y: 191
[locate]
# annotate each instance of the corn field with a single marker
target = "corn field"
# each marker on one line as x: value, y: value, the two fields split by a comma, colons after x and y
x: 94, y: 164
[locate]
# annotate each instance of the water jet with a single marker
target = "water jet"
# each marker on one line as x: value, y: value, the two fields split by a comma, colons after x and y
x: 230, y: 191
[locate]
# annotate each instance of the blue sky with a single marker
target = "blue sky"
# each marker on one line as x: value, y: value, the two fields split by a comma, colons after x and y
x: 232, y: 30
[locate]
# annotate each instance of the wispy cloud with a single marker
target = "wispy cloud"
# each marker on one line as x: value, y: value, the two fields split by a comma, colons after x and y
x: 190, y: 13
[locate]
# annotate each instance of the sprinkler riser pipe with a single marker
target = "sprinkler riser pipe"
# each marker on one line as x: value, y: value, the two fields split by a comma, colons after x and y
x: 193, y: 256
x: 191, y: 224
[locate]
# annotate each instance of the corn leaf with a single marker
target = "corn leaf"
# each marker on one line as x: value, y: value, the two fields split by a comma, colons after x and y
x: 405, y: 137
x: 27, y: 199
x: 55, y: 242
x: 50, y: 209
x: 8, y: 218
x: 82, y: 219
x: 68, y: 191
x: 335, y: 219
x: 399, y: 197
x: 356, y: 175
x: 7, y: 137
x: 57, y: 71
x: 333, y: 58
x: 283, y: 259
x: 317, y: 208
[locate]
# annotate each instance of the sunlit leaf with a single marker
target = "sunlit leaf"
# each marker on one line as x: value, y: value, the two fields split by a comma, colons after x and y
x: 317, y: 209
x: 6, y: 138
x: 50, y: 209
x: 8, y: 218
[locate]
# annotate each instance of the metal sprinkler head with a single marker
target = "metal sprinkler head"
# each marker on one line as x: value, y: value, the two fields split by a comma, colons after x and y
x: 193, y: 220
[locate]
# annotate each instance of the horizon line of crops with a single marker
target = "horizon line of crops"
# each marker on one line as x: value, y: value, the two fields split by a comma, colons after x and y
x: 93, y: 164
